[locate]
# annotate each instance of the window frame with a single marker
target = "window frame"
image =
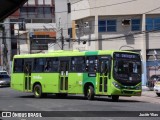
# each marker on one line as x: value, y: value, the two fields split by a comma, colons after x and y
x: 134, y: 25
x: 101, y: 27
x: 111, y: 25
x: 151, y: 23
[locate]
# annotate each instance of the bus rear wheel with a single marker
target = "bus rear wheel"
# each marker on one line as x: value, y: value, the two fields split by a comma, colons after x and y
x: 115, y: 98
x: 37, y: 90
x: 90, y: 93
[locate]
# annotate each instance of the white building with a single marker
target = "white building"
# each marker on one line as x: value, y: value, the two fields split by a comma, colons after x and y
x: 43, y: 21
x: 63, y: 21
x: 123, y: 24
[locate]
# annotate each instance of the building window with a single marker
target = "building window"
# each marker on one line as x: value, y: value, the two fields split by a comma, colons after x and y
x: 47, y: 11
x: 102, y: 26
x: 107, y: 25
x: 111, y: 25
x: 136, y: 24
x: 40, y: 12
x: 157, y: 24
x: 152, y: 24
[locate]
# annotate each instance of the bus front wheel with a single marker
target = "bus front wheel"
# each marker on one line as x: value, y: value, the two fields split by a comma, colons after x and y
x: 37, y: 91
x: 90, y: 93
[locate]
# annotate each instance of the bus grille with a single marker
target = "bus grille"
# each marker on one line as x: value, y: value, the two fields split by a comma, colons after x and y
x: 127, y: 92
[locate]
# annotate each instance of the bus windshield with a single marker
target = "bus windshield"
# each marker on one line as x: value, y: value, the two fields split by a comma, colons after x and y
x: 127, y: 70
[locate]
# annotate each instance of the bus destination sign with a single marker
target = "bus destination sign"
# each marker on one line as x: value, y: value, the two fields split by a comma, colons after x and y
x: 126, y: 55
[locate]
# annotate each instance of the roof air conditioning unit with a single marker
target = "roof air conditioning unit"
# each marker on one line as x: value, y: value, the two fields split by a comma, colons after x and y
x: 126, y: 22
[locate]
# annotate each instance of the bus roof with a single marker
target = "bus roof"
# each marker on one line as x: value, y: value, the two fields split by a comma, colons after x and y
x: 62, y: 53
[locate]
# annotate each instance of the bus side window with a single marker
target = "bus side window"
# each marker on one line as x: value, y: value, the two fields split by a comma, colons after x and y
x: 39, y: 64
x: 55, y: 65
x: 48, y: 65
x: 72, y: 66
x: 91, y: 64
x: 77, y: 64
x: 18, y: 65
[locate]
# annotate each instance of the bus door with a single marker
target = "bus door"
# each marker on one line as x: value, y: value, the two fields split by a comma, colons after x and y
x: 27, y: 74
x: 64, y: 67
x: 103, y: 74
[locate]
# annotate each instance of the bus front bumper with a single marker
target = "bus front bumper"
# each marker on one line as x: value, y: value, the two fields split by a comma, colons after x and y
x: 126, y: 92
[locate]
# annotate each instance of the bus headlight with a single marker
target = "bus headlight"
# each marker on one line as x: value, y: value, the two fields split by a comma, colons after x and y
x: 116, y: 85
x: 138, y: 87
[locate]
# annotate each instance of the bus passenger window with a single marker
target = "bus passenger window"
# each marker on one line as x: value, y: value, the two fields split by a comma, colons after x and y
x: 55, y: 65
x: 72, y: 68
x: 91, y: 64
x: 48, y: 66
x: 18, y: 65
x: 39, y: 65
x: 78, y: 64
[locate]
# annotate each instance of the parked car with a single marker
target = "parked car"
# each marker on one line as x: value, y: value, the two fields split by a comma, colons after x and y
x: 152, y: 80
x: 3, y: 72
x: 4, y: 80
x: 157, y: 87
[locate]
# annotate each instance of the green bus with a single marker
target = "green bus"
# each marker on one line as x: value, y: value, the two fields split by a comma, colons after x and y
x: 110, y: 73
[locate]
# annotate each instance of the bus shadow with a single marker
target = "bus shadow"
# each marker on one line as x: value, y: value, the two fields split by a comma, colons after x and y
x: 120, y: 100
x: 74, y: 97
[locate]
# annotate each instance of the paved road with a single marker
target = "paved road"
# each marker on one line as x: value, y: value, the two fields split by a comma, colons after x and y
x: 11, y: 100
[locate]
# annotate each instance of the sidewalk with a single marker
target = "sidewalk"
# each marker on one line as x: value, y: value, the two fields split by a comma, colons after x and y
x: 147, y: 92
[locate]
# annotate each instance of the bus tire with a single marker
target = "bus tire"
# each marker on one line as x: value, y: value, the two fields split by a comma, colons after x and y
x: 37, y: 90
x: 115, y: 98
x: 90, y: 93
x: 158, y: 94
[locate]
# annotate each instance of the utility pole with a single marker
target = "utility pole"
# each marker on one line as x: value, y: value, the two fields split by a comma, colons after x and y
x: 62, y: 39
x: 21, y: 27
x: 18, y: 43
x: 5, y: 50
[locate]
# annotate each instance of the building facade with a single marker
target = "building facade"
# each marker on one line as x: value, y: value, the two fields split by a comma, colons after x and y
x: 126, y: 25
x: 38, y: 26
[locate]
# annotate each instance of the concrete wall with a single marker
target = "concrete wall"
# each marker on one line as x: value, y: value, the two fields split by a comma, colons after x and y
x: 85, y: 8
x: 63, y: 19
x: 80, y: 9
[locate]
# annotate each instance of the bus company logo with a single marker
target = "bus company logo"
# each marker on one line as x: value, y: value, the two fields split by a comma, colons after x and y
x: 6, y: 114
x: 37, y: 77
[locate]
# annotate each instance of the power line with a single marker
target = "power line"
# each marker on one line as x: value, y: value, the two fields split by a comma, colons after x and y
x: 119, y: 3
x: 122, y: 36
x: 112, y: 5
